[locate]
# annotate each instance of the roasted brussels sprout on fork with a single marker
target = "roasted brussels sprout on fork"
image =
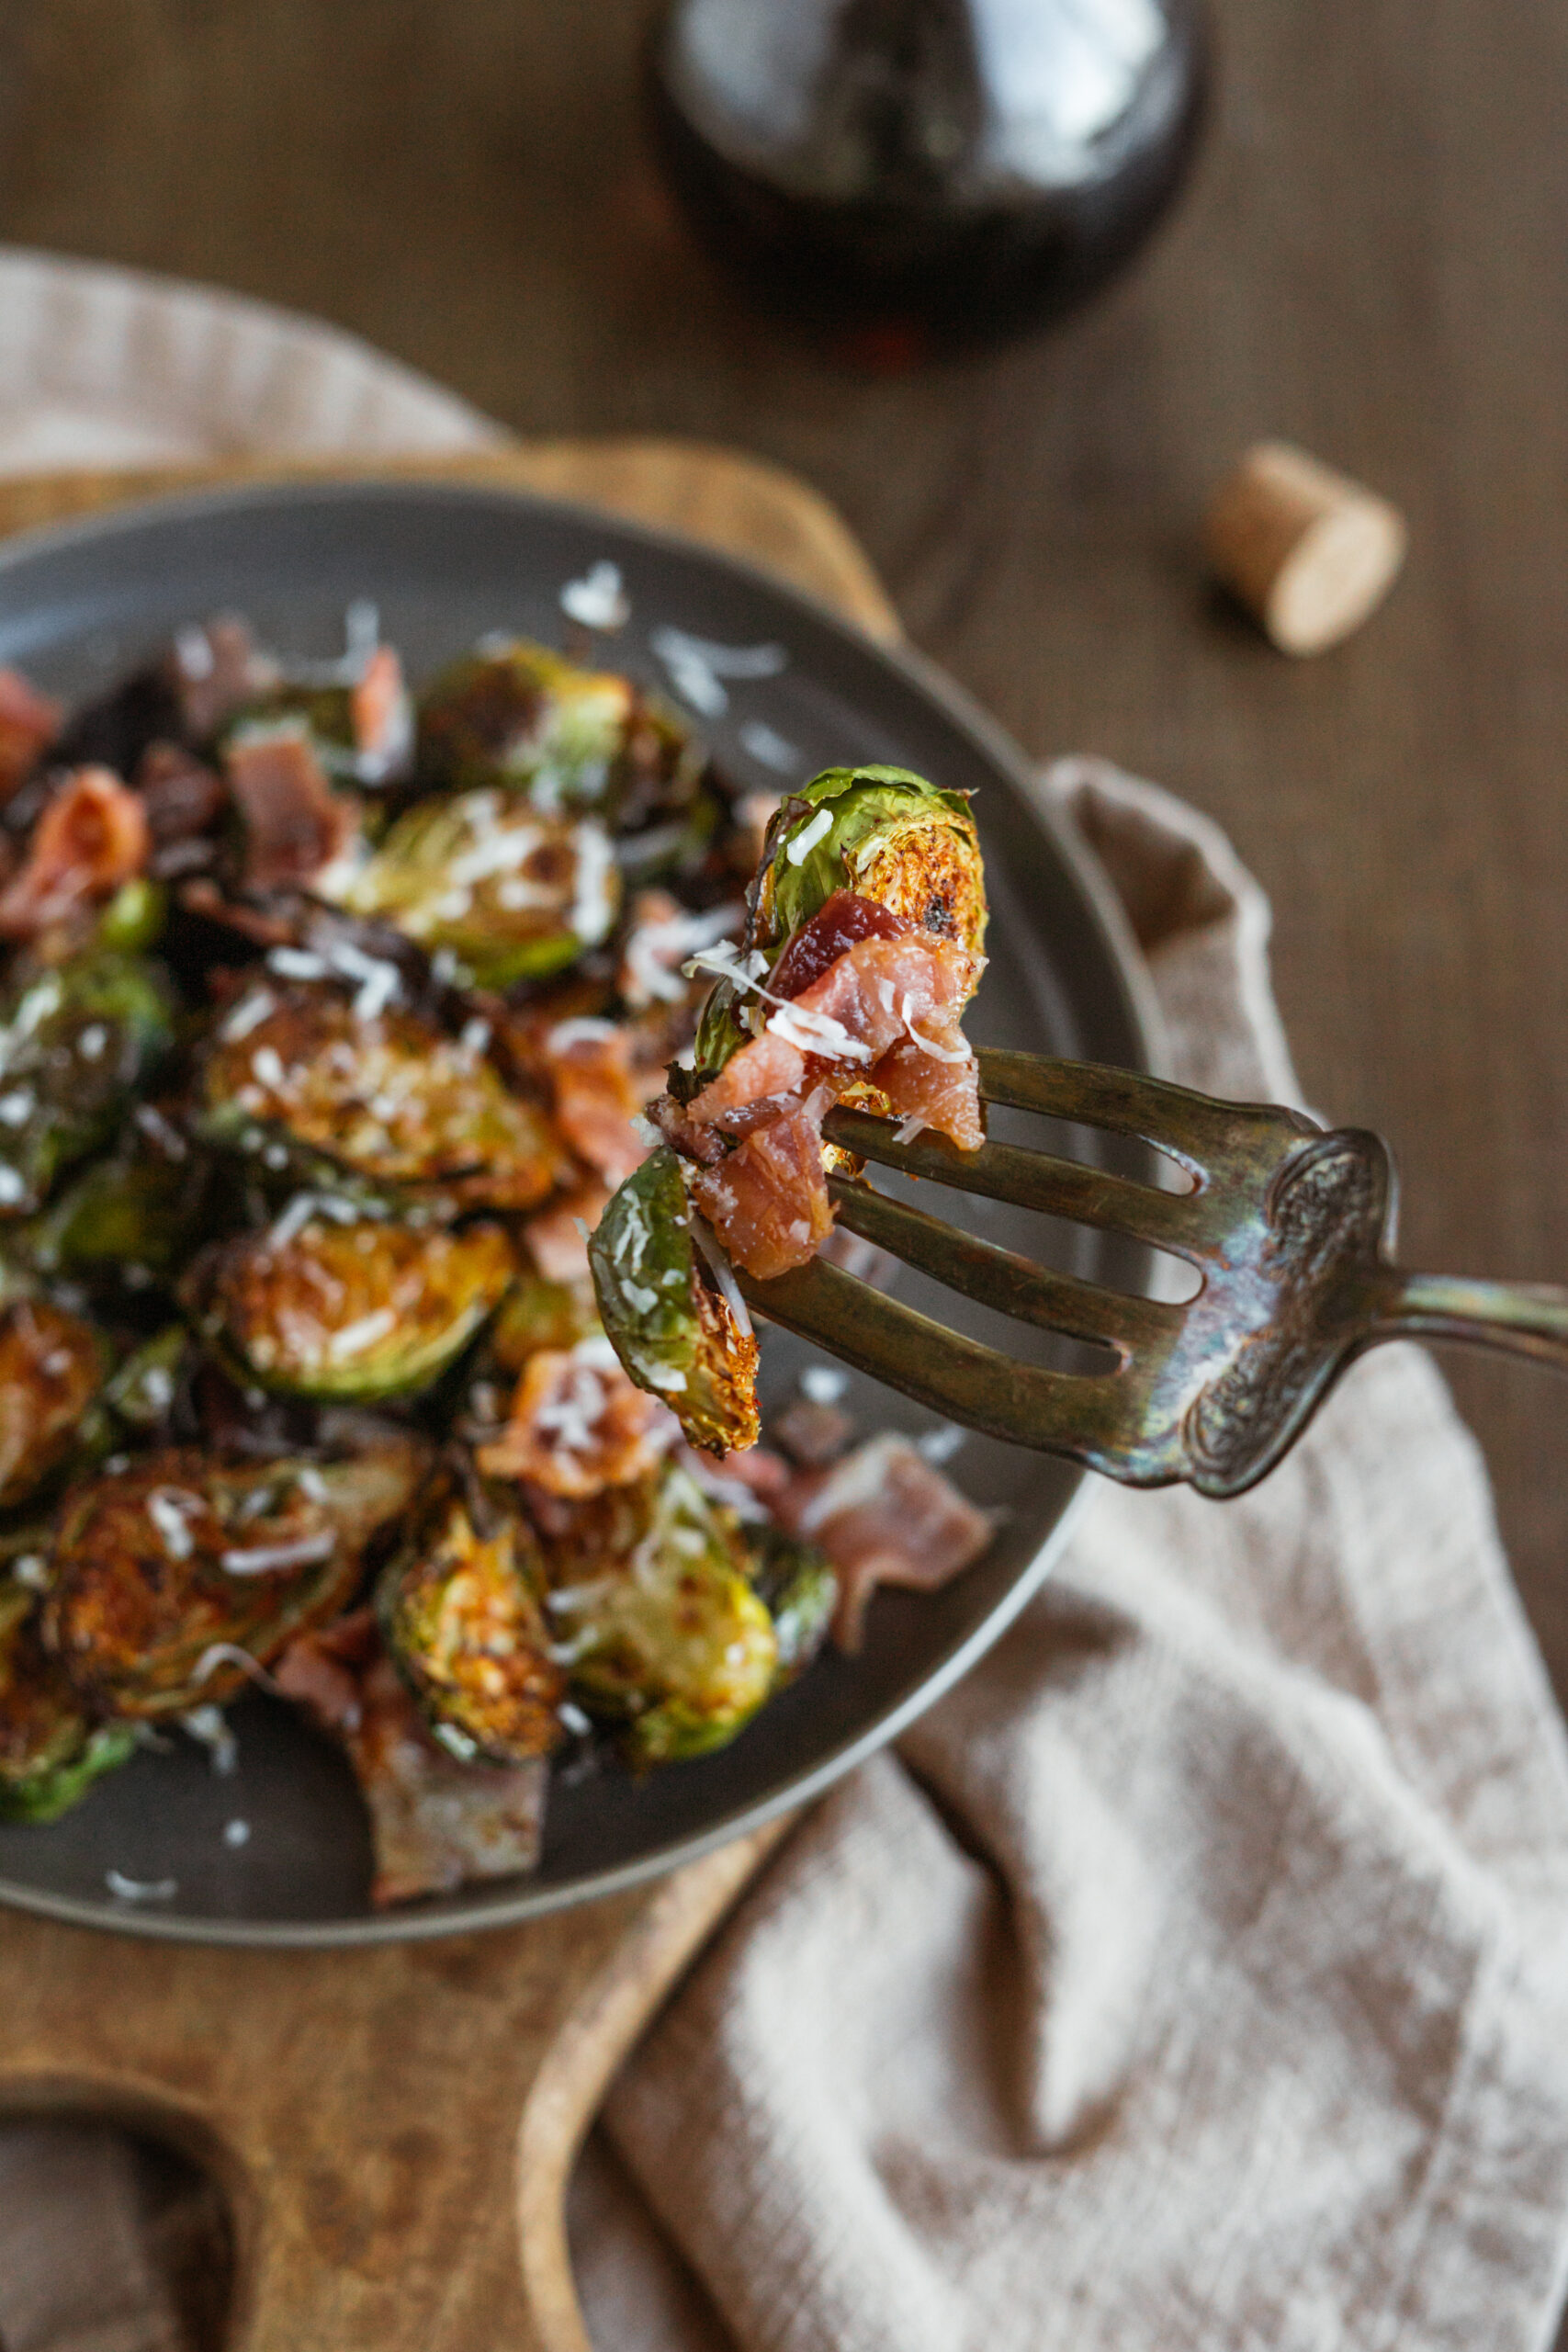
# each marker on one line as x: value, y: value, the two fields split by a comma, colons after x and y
x: 862, y: 948
x: 670, y: 1308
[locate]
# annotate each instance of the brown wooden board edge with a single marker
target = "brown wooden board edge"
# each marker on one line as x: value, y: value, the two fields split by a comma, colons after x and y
x: 717, y: 496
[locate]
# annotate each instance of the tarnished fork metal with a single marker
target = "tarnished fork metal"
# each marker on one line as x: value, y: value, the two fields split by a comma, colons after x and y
x: 1288, y: 1226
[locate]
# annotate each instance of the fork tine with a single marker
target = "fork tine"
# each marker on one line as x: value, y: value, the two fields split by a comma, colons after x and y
x: 1084, y: 1416
x: 1190, y: 1128
x: 1001, y: 1278
x: 1187, y: 1223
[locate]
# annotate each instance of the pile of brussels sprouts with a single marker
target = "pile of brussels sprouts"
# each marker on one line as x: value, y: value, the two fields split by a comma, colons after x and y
x: 278, y: 1108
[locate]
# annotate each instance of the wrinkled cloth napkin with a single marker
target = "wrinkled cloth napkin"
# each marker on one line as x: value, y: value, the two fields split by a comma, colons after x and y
x: 1195, y: 1973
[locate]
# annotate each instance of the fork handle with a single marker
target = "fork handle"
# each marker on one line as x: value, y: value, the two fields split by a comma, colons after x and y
x: 1523, y: 1318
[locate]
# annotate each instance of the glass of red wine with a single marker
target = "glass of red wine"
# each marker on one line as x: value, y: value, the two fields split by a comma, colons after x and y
x: 913, y: 175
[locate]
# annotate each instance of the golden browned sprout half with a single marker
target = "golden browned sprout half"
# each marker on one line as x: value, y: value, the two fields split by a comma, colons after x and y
x: 51, y: 1367
x: 460, y: 1612
x: 164, y: 1569
x: 349, y: 1308
x: 390, y: 1098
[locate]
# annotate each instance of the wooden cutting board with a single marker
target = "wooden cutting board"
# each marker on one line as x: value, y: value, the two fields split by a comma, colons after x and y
x: 395, y: 2127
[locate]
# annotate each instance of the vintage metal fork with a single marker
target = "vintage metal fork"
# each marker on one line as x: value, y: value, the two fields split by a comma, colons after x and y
x: 1289, y: 1226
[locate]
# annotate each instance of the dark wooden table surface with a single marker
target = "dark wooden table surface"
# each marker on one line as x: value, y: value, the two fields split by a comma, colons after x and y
x: 1371, y: 260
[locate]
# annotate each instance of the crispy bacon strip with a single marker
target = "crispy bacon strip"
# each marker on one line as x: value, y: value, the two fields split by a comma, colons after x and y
x: 92, y: 837
x: 590, y: 1067
x: 437, y: 1822
x: 558, y: 1235
x: 577, y: 1425
x: 29, y: 723
x: 883, y: 1515
x: 295, y: 823
x: 868, y: 1000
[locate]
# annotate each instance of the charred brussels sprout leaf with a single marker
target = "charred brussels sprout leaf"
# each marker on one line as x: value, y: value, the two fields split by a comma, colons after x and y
x: 662, y: 1629
x: 797, y: 1584
x: 673, y: 1329
x: 163, y: 1570
x: 51, y: 1368
x: 388, y: 1099
x: 51, y: 1753
x: 460, y: 1612
x: 75, y: 1042
x: 351, y: 1311
x: 506, y: 892
x: 522, y: 718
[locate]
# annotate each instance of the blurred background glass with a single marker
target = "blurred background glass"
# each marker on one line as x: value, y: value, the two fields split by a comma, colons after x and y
x: 913, y: 174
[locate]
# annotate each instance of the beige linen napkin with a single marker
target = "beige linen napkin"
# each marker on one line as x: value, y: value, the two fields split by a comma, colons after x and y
x: 1196, y: 1972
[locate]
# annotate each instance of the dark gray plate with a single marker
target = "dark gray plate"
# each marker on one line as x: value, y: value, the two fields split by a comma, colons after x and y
x: 77, y: 606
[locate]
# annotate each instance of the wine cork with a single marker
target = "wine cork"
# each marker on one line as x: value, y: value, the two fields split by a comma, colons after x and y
x: 1309, y: 552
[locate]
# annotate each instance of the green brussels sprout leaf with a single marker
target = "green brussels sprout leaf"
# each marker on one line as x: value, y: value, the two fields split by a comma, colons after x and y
x: 662, y: 1300
x: 798, y: 1585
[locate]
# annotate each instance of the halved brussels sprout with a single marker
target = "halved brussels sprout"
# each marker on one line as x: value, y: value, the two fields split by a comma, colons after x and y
x: 517, y: 716
x: 75, y: 1042
x: 881, y: 834
x: 663, y: 1307
x: 888, y: 836
x: 51, y: 1753
x: 128, y: 1219
x: 51, y: 1368
x: 162, y: 1571
x: 504, y: 891
x: 798, y: 1585
x: 389, y: 1098
x: 361, y: 1309
x: 656, y: 1621
x: 460, y: 1612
